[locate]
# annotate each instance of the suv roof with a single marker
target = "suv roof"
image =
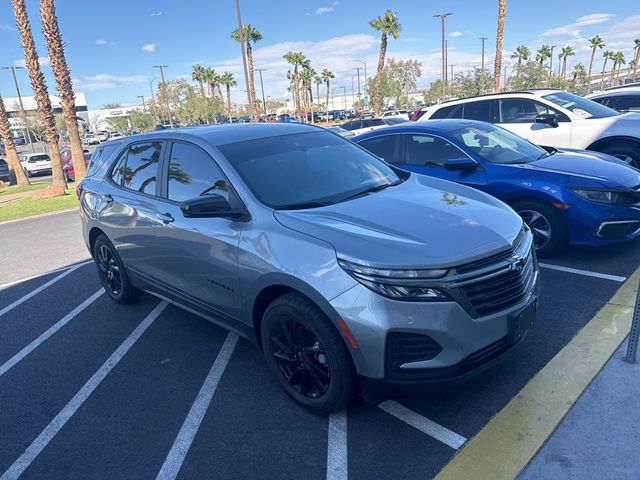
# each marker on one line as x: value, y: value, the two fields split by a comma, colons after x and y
x: 532, y: 91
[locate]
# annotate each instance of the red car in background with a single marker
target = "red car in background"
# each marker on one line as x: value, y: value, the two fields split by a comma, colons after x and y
x: 67, y: 163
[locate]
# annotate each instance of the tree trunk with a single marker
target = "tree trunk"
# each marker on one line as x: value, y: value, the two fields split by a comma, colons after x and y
x: 15, y: 169
x: 497, y: 65
x: 62, y: 77
x: 636, y: 59
x: 296, y: 90
x: 564, y: 67
x: 229, y: 100
x: 253, y: 110
x: 318, y: 94
x: 604, y: 66
x: 328, y: 90
x: 201, y: 83
x: 40, y: 92
x: 612, y: 74
x: 593, y: 56
x: 377, y: 100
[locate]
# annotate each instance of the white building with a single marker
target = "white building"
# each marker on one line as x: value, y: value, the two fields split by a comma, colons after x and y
x: 99, y: 119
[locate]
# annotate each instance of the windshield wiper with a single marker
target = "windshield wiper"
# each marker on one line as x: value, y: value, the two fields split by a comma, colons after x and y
x: 304, y: 205
x: 375, y: 188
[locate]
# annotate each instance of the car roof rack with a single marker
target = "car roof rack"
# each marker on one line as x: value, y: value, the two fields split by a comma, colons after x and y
x: 633, y: 84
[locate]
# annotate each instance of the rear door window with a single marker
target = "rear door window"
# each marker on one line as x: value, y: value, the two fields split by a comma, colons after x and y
x: 481, y: 111
x: 137, y: 168
x: 385, y: 147
x: 451, y: 111
x: 624, y: 104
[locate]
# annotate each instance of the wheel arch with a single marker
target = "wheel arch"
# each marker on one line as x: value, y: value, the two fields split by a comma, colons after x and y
x: 94, y: 233
x: 604, y: 142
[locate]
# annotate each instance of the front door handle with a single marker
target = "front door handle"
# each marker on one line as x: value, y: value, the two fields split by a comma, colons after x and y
x: 108, y: 199
x: 165, y: 218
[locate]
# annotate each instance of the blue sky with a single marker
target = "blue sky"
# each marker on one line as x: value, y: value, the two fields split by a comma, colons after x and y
x: 112, y: 45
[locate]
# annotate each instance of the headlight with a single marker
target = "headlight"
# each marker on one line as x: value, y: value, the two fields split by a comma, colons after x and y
x: 620, y: 197
x: 398, y: 284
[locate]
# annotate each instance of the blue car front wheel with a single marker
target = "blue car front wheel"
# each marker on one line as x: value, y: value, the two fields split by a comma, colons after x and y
x: 546, y: 224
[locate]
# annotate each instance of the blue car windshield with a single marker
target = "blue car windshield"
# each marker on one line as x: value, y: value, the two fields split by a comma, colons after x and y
x: 307, y: 170
x: 497, y: 145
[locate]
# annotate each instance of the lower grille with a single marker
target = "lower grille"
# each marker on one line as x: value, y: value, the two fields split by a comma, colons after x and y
x: 405, y: 347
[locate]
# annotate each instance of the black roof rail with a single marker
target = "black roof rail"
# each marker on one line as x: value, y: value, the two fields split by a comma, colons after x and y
x: 632, y: 84
x: 488, y: 95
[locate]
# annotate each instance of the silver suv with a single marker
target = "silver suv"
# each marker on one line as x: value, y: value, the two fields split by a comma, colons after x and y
x: 352, y: 276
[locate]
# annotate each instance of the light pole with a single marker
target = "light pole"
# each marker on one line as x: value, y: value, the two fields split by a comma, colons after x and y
x: 451, y: 67
x: 551, y: 60
x: 353, y: 96
x: 24, y: 115
x: 144, y: 107
x: 364, y: 64
x: 344, y: 98
x: 442, y: 16
x: 358, y: 69
x: 264, y: 104
x: 482, y: 39
x: 244, y: 59
x: 153, y: 98
x: 162, y: 67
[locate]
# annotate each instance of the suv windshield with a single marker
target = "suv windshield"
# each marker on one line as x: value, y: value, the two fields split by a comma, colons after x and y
x: 38, y: 158
x: 497, y: 145
x: 306, y: 170
x: 583, y: 107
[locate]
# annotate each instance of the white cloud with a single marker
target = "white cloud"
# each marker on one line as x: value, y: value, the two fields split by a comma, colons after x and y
x: 101, y: 41
x: 323, y: 10
x: 410, y: 40
x: 43, y: 61
x: 149, y: 47
x: 104, y: 81
x: 573, y: 29
x: 8, y: 28
x: 457, y: 33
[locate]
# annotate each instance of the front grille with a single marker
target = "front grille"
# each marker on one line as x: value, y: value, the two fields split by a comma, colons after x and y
x: 617, y: 230
x: 403, y: 347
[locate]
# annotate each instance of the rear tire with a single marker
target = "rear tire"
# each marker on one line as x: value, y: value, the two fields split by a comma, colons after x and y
x: 547, y: 225
x: 307, y: 355
x: 626, y: 152
x: 113, y: 273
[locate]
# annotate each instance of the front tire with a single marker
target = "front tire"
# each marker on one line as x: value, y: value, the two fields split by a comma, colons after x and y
x: 306, y: 354
x: 547, y: 225
x: 113, y: 273
x: 629, y: 154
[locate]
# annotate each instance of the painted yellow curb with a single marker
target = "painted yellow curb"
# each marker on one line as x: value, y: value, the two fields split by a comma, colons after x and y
x: 508, y: 442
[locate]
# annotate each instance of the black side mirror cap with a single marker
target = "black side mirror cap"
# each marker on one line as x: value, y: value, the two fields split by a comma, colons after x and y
x: 460, y: 164
x: 212, y: 206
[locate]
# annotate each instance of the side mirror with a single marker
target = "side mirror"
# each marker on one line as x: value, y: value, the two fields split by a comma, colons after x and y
x: 213, y: 205
x: 548, y: 118
x: 460, y: 164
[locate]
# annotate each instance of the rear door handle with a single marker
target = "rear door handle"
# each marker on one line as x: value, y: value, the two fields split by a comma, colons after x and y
x: 164, y: 217
x: 108, y: 199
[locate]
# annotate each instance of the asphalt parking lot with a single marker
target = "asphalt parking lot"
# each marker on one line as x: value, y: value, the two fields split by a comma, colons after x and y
x: 92, y: 389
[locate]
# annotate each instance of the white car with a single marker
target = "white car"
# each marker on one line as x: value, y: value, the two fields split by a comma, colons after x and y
x: 551, y: 118
x: 102, y: 135
x: 395, y: 114
x: 361, y: 125
x: 36, y: 164
x: 91, y: 139
x: 624, y: 99
x: 114, y: 135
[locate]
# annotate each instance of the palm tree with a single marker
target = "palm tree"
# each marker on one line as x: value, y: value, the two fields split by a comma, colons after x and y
x: 521, y: 53
x: 595, y: 43
x: 228, y: 81
x: 62, y: 76
x: 10, y: 147
x: 197, y: 75
x: 327, y: 75
x: 543, y: 54
x: 40, y: 92
x: 607, y: 55
x: 296, y: 59
x: 497, y: 64
x: 217, y: 83
x: 250, y: 35
x: 387, y: 24
x: 318, y: 81
x: 564, y: 53
x: 619, y: 60
x: 307, y: 75
x: 207, y: 77
x: 636, y: 57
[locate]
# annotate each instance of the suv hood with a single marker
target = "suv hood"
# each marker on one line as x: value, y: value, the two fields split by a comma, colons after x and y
x: 422, y: 223
x: 589, y: 165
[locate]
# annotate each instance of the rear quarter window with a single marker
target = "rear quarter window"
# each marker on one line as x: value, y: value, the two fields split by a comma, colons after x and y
x: 451, y: 111
x: 100, y: 156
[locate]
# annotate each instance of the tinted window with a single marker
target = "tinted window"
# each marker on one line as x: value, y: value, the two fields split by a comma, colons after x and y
x: 305, y: 169
x: 523, y: 110
x: 452, y: 111
x: 430, y: 151
x: 478, y: 111
x: 193, y: 173
x: 624, y: 104
x: 376, y: 122
x: 138, y: 168
x: 384, y: 147
x: 99, y: 156
x: 351, y: 125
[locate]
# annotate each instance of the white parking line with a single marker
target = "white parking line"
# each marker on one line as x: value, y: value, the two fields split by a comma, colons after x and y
x: 182, y: 443
x: 337, y: 459
x: 423, y: 424
x: 4, y: 368
x: 31, y: 453
x: 586, y: 273
x: 32, y: 293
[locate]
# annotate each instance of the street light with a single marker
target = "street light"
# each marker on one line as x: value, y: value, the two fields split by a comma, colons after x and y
x: 442, y: 16
x: 153, y: 98
x: 364, y: 63
x: 24, y: 115
x: 551, y: 60
x: 482, y: 39
x: 144, y: 107
x: 162, y: 67
x: 264, y: 104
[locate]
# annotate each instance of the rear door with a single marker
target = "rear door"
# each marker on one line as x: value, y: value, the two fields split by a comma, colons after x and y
x: 127, y: 205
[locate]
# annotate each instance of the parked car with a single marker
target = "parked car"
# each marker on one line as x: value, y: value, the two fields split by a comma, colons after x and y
x: 91, y: 139
x: 4, y: 171
x: 358, y: 126
x: 102, y: 135
x: 36, y: 164
x: 551, y: 118
x: 565, y: 196
x: 404, y: 114
x: 115, y: 135
x: 19, y: 140
x: 348, y: 273
x: 66, y: 158
x: 341, y: 131
x: 624, y: 99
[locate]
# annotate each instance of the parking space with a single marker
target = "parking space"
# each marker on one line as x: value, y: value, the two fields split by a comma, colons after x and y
x: 92, y: 389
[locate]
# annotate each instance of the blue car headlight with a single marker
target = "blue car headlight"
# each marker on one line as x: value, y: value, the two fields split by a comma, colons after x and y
x: 613, y: 197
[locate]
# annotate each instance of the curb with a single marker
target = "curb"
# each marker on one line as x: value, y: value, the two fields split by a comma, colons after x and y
x: 516, y: 433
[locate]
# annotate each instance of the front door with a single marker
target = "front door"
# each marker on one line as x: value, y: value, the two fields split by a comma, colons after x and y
x: 200, y: 255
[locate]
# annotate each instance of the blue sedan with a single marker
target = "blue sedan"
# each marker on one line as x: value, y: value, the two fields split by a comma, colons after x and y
x: 565, y: 196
